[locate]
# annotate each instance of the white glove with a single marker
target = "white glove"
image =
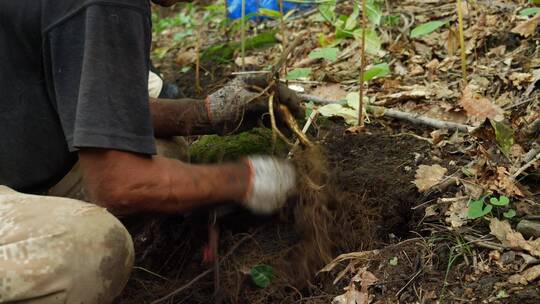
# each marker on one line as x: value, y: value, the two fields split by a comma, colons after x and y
x: 272, y: 182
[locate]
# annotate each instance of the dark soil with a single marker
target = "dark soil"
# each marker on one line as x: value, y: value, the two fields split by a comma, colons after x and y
x: 371, y: 175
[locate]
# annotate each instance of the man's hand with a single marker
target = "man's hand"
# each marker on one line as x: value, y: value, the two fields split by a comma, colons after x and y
x: 272, y: 182
x: 239, y: 104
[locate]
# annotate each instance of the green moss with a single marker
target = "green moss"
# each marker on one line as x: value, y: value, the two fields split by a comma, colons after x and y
x: 214, y: 148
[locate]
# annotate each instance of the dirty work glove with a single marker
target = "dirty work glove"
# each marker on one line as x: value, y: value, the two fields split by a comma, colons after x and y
x: 237, y: 106
x: 272, y: 182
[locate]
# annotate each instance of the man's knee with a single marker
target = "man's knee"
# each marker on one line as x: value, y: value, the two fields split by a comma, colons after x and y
x: 65, y: 250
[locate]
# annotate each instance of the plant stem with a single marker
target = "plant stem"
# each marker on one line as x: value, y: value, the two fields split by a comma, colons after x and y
x: 362, y: 66
x: 283, y: 34
x: 462, y: 43
x: 243, y: 34
x: 198, y: 60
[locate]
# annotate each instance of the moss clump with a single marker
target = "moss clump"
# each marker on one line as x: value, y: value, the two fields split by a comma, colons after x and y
x: 214, y: 148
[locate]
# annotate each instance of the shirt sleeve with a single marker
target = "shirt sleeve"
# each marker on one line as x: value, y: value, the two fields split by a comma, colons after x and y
x: 99, y: 61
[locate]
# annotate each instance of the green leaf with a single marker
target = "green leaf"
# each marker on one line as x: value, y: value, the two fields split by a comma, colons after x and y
x: 224, y: 52
x: 426, y: 28
x: 504, y: 136
x: 391, y: 20
x: 393, y: 261
x: 185, y: 69
x: 352, y: 20
x: 353, y: 100
x: 329, y: 53
x: 476, y: 209
x: 373, y: 43
x: 262, y: 275
x: 502, y: 201
x: 374, y: 13
x: 337, y: 110
x: 327, y: 11
x: 510, y: 214
x: 377, y: 71
x: 530, y: 11
x: 298, y: 73
x: 502, y: 294
x: 269, y: 13
x: 309, y: 108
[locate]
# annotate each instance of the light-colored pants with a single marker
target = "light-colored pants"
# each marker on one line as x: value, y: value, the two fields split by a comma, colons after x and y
x: 58, y: 250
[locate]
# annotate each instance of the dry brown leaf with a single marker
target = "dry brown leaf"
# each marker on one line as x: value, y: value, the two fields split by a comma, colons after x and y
x: 478, y: 106
x: 536, y: 78
x: 332, y: 91
x: 520, y: 79
x: 186, y: 58
x: 249, y: 60
x: 366, y: 279
x: 452, y: 41
x: 457, y: 214
x: 351, y: 296
x: 527, y: 28
x: 504, y: 183
x: 428, y: 176
x: 526, y: 276
x: 416, y: 70
x: 432, y: 65
x: 513, y: 239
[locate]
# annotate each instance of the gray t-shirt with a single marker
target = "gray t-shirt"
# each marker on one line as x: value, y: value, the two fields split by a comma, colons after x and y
x: 73, y: 74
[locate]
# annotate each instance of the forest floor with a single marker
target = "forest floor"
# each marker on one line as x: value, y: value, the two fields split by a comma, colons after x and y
x: 416, y: 213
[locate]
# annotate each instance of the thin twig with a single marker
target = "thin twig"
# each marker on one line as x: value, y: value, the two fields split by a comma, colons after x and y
x: 362, y: 67
x: 409, y: 282
x: 283, y: 33
x: 526, y: 166
x: 249, y: 72
x: 150, y: 272
x: 198, y: 60
x: 410, y: 117
x: 462, y: 42
x: 485, y: 244
x: 243, y: 35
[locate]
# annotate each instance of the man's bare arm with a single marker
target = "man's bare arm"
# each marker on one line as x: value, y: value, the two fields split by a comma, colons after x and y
x: 180, y: 117
x: 126, y: 182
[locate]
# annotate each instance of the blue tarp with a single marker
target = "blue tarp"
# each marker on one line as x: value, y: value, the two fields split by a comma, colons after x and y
x: 234, y: 7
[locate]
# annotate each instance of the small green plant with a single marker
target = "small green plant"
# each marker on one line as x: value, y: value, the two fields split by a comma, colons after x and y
x: 479, y: 208
x: 328, y: 53
x: 347, y: 26
x: 460, y: 249
x: 427, y: 28
x: 298, y: 73
x: 262, y: 275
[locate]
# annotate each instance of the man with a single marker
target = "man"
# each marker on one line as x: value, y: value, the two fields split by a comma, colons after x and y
x: 74, y: 89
